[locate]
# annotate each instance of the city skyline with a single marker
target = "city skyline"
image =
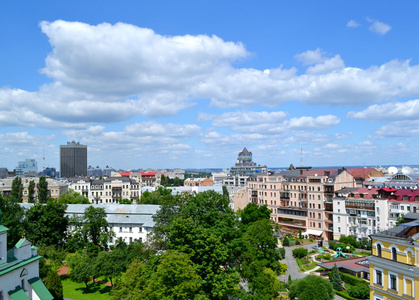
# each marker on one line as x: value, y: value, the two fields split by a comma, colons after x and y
x: 189, y: 85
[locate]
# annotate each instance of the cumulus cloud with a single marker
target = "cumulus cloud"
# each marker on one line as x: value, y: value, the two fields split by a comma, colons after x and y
x: 390, y: 111
x: 310, y: 123
x: 99, y: 70
x: 152, y: 128
x: 399, y: 129
x: 378, y: 27
x: 352, y: 24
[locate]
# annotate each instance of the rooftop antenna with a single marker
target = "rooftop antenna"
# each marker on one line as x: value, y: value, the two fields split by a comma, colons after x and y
x: 301, y: 161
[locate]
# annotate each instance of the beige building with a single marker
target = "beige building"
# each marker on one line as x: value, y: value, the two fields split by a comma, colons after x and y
x: 300, y: 198
x: 198, y: 182
x: 55, y: 188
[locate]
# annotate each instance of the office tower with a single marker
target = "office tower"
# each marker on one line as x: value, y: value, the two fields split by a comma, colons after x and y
x: 73, y: 160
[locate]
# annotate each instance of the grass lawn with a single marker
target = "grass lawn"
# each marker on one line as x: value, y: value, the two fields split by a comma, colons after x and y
x: 305, y: 264
x: 75, y: 290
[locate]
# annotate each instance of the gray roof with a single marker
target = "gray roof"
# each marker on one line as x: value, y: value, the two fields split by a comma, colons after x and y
x: 141, y: 214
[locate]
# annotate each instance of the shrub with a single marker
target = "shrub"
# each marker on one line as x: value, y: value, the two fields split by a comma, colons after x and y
x: 286, y: 242
x: 360, y: 291
x: 326, y: 256
x: 297, y: 243
x: 282, y: 252
x: 335, y: 279
x: 333, y: 245
x: 299, y: 252
x: 349, y: 279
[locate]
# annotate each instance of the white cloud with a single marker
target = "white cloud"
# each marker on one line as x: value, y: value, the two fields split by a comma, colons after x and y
x: 352, y: 24
x: 378, y: 27
x: 310, y: 123
x: 152, y: 128
x: 408, y: 110
x: 399, y: 129
x: 311, y: 57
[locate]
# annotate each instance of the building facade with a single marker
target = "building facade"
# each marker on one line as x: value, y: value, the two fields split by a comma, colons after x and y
x: 198, y: 182
x: 26, y: 166
x: 19, y: 270
x: 394, y: 263
x: 243, y: 169
x: 73, y: 160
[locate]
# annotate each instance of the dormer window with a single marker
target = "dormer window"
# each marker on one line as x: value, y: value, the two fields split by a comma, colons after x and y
x: 379, y: 250
x: 394, y: 254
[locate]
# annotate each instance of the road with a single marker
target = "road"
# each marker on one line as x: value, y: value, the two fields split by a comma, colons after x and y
x: 293, y: 267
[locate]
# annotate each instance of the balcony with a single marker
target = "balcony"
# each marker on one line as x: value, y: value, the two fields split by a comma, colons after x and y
x: 292, y: 222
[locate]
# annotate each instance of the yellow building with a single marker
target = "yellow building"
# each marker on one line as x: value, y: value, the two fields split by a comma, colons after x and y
x: 394, y: 264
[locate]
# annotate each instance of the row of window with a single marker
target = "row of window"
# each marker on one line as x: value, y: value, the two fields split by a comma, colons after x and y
x: 393, y: 279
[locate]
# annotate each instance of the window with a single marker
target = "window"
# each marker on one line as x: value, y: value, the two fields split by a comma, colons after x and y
x: 319, y: 204
x: 130, y: 229
x: 339, y: 229
x: 320, y: 216
x: 393, y: 282
x: 394, y: 254
x: 379, y: 277
x: 120, y: 229
x: 130, y: 239
x: 339, y: 221
x: 141, y: 229
x: 1, y: 295
x: 23, y: 285
x: 320, y: 225
x: 338, y: 210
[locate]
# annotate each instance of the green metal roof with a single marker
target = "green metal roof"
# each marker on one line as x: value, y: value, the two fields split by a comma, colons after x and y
x: 18, y: 294
x: 20, y: 243
x: 40, y: 289
x: 3, y: 228
x: 16, y: 266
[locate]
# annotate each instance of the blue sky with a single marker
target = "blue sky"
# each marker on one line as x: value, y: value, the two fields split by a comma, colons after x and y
x: 188, y: 84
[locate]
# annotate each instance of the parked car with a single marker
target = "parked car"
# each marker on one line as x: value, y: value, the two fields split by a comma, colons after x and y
x: 315, y: 247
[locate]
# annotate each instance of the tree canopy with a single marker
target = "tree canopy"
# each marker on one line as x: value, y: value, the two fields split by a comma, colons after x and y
x: 42, y: 190
x: 253, y: 212
x: 311, y: 287
x: 72, y: 197
x: 17, y: 189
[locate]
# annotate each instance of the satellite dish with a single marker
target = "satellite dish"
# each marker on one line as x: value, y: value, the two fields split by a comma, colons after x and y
x: 392, y: 170
x: 406, y: 170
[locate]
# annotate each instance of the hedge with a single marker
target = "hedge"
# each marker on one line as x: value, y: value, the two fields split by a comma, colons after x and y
x: 349, y: 279
x: 343, y: 295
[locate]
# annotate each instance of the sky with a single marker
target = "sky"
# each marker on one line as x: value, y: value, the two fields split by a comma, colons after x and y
x: 189, y: 84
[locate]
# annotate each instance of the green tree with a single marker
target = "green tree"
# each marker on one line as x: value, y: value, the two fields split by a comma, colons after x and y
x: 17, y: 189
x: 54, y: 285
x: 286, y: 242
x: 31, y: 192
x: 47, y: 224
x: 262, y: 243
x: 400, y: 220
x: 175, y: 278
x: 125, y: 201
x: 81, y: 268
x: 311, y: 287
x: 133, y: 282
x: 253, y: 212
x: 300, y: 234
x: 93, y: 227
x: 72, y: 197
x: 335, y: 279
x: 12, y: 215
x: 42, y: 190
x: 300, y: 252
x: 225, y: 192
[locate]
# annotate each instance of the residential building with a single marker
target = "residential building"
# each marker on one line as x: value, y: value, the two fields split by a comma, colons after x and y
x: 129, y: 222
x: 113, y: 189
x: 73, y: 160
x: 359, y: 212
x: 55, y: 188
x: 4, y: 173
x: 243, y: 168
x: 362, y: 174
x: 19, y: 270
x: 198, y: 182
x: 300, y: 198
x: 394, y: 263
x: 26, y: 166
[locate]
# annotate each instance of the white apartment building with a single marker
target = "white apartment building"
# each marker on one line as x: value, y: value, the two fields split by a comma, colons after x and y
x: 359, y: 212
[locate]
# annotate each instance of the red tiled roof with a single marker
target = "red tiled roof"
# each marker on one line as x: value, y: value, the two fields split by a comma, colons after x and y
x: 125, y: 174
x: 359, y: 172
x: 350, y: 263
x: 319, y: 172
x: 148, y: 173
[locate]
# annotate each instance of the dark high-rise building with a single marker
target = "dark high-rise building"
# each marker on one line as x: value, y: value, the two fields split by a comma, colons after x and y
x: 73, y: 160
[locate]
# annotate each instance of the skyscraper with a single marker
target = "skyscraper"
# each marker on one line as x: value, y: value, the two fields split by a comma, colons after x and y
x: 73, y: 160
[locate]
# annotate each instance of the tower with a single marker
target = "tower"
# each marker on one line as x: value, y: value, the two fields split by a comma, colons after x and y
x: 73, y: 160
